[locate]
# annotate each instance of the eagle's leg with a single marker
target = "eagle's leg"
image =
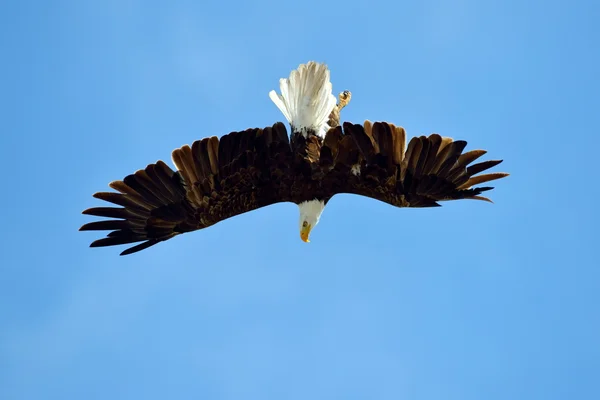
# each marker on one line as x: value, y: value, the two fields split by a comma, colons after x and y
x: 343, y: 100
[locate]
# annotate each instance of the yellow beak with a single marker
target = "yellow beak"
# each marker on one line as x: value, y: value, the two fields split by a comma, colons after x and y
x: 305, y: 232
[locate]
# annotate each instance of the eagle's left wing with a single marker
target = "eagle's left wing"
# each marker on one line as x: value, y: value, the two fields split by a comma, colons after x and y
x: 215, y: 179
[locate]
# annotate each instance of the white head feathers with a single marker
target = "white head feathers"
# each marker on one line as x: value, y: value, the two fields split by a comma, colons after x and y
x: 310, y: 212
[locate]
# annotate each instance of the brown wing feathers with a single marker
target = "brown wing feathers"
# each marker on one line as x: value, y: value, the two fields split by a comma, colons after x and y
x: 215, y: 180
x: 154, y: 209
x: 430, y: 169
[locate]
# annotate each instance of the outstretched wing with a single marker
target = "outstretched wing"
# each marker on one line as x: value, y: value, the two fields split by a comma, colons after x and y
x: 374, y: 161
x: 216, y: 179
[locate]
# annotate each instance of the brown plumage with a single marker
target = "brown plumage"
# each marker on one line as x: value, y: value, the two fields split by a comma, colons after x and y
x: 219, y: 178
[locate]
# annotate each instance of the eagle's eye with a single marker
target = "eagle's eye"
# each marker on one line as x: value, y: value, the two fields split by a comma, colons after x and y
x: 346, y: 93
x: 304, y: 224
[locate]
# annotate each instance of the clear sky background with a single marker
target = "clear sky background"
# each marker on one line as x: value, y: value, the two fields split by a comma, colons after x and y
x: 468, y: 301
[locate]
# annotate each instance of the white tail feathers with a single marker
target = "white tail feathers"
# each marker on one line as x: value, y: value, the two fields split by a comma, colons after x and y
x: 306, y: 98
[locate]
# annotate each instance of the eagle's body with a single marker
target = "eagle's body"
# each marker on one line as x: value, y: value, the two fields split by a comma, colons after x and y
x: 219, y: 178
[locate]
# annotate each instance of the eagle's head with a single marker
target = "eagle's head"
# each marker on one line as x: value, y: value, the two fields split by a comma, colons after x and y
x: 310, y: 212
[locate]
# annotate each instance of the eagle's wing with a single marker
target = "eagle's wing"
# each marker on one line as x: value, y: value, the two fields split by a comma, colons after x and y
x: 216, y: 179
x: 375, y: 161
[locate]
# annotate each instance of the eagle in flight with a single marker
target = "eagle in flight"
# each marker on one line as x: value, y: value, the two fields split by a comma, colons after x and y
x: 216, y: 179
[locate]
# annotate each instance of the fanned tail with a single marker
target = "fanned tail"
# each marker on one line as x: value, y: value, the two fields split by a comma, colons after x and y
x: 306, y: 99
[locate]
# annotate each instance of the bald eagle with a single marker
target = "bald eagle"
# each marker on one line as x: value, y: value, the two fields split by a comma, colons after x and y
x: 216, y: 179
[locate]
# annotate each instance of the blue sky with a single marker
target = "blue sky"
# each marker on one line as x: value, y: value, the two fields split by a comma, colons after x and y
x: 467, y: 301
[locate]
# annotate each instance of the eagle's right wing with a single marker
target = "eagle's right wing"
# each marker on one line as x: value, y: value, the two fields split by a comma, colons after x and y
x: 428, y: 170
x: 216, y: 179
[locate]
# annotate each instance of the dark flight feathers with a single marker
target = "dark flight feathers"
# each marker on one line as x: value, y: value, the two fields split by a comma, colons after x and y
x: 220, y: 178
